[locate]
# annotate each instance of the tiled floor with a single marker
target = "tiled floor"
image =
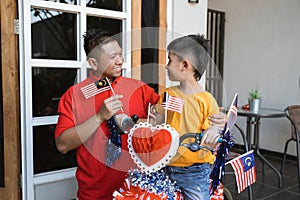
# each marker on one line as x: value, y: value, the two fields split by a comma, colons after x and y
x: 266, y: 186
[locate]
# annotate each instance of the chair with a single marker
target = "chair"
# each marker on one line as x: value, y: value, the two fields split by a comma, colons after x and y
x: 293, y: 114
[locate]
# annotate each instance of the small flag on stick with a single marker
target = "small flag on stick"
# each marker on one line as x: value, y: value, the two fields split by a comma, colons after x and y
x: 244, y: 169
x: 95, y: 88
x: 224, y: 148
x: 172, y: 103
x: 232, y: 113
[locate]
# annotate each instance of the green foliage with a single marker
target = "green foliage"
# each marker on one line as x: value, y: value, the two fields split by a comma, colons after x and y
x: 255, y: 94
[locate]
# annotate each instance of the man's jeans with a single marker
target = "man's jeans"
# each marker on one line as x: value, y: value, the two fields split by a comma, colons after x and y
x: 193, y: 180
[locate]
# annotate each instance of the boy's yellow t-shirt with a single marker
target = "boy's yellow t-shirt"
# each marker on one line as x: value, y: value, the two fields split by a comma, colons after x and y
x: 193, y: 119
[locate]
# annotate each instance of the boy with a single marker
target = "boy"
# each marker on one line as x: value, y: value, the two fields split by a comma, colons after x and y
x: 188, y: 58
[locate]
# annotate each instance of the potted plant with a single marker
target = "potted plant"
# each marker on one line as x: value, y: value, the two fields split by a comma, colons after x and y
x: 255, y: 98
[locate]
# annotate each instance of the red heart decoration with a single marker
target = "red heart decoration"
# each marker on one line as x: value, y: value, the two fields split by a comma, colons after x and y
x: 152, y: 147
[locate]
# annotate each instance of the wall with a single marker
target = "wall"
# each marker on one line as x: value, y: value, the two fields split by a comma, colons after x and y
x: 184, y: 18
x: 189, y: 17
x: 262, y: 49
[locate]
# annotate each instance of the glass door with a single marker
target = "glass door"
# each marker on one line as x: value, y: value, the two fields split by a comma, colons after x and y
x: 51, y: 60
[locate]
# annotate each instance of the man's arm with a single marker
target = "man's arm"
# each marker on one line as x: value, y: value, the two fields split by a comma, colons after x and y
x: 159, y: 112
x: 218, y: 119
x: 75, y: 136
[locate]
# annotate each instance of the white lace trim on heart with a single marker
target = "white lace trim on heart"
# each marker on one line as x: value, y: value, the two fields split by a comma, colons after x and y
x: 166, y: 159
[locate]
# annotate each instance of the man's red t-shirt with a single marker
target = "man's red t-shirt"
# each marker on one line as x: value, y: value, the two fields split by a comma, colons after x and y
x: 95, y: 179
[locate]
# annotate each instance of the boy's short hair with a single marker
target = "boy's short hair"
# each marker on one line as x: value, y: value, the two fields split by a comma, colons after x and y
x: 96, y: 38
x: 194, y: 48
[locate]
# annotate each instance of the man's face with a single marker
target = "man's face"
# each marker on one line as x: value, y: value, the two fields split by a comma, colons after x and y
x: 111, y: 60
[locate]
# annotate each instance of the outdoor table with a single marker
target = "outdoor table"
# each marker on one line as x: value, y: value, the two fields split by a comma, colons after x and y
x: 253, y: 121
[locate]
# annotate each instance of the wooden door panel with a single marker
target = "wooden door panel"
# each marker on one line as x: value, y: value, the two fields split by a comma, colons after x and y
x: 10, y: 100
x: 136, y: 24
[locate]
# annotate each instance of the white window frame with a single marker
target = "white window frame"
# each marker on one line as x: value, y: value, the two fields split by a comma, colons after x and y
x: 29, y: 180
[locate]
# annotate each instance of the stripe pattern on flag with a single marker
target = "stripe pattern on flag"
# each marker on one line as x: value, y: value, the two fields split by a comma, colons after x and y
x: 232, y: 113
x: 95, y: 88
x: 218, y: 193
x: 245, y: 170
x: 172, y: 103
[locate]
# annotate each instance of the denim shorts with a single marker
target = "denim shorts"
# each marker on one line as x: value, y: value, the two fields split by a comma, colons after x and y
x: 192, y: 180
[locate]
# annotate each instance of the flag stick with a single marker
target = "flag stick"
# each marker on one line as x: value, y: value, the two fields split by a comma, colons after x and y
x: 112, y: 91
x: 166, y: 109
x: 148, y: 117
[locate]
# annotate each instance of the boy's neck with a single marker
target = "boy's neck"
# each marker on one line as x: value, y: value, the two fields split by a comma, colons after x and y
x: 190, y: 87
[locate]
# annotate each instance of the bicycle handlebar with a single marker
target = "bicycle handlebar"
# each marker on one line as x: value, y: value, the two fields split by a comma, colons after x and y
x: 194, y: 146
x: 195, y: 135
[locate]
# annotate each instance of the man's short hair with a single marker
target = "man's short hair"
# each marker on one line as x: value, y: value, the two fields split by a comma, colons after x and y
x: 96, y: 38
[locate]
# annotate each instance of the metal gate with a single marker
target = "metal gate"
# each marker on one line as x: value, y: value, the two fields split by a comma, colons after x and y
x: 214, y: 73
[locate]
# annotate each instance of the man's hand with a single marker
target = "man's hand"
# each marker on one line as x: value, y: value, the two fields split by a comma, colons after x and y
x: 218, y: 119
x: 109, y: 108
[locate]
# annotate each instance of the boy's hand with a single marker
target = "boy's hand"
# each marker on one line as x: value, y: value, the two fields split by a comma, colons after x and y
x: 158, y: 114
x: 124, y: 122
x: 210, y: 137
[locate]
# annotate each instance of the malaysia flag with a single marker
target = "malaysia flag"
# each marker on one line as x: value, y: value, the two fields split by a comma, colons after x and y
x: 245, y: 170
x: 95, y: 88
x: 172, y: 103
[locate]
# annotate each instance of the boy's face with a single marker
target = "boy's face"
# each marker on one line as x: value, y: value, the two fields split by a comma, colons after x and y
x: 110, y: 60
x: 174, y: 67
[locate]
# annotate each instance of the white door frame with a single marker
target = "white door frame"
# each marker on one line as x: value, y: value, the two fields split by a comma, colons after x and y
x: 33, y: 185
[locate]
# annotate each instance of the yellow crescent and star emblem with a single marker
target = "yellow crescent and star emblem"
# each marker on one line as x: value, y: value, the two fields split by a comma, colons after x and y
x: 248, y: 161
x: 101, y: 83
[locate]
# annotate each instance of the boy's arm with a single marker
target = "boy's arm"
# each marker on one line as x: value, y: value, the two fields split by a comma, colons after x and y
x: 210, y: 137
x: 212, y: 134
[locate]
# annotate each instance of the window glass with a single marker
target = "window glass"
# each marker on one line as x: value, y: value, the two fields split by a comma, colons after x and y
x: 112, y: 25
x: 53, y: 34
x: 105, y: 4
x: 48, y: 85
x: 72, y: 2
x: 46, y: 157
